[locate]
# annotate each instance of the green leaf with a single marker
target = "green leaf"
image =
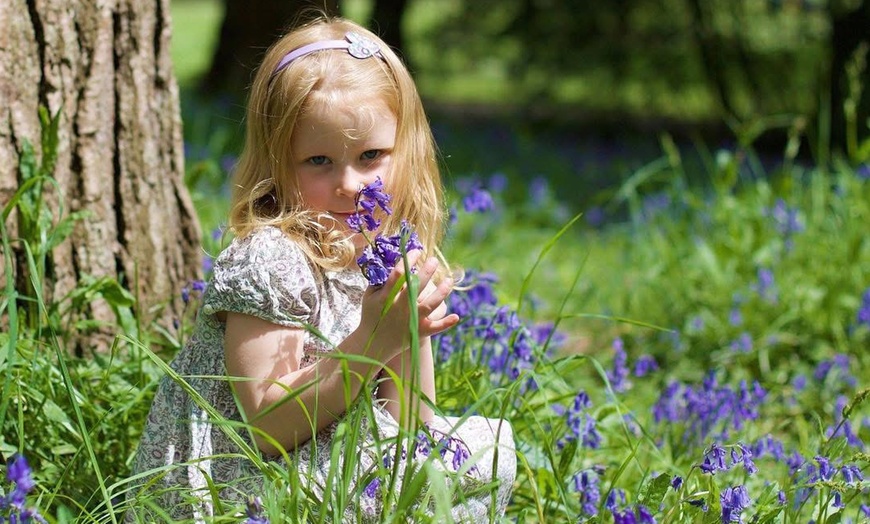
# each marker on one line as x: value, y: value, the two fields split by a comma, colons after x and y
x: 653, y: 492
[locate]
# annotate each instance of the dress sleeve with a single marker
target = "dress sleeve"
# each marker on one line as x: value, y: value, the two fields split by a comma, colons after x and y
x: 265, y: 275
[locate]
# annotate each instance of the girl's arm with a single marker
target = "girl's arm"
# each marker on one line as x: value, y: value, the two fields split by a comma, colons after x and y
x: 270, y: 355
x: 424, y: 386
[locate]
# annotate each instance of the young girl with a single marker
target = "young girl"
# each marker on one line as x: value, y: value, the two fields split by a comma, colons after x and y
x: 332, y: 109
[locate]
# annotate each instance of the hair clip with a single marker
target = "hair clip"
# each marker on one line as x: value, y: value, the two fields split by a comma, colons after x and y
x: 357, y: 46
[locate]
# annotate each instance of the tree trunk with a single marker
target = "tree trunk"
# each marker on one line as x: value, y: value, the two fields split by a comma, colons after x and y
x: 105, y: 66
x: 248, y: 29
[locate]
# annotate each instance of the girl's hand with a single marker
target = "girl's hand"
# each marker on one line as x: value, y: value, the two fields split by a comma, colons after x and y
x: 390, y: 334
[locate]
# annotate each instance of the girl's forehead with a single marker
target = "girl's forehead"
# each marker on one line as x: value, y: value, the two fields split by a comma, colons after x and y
x: 352, y: 118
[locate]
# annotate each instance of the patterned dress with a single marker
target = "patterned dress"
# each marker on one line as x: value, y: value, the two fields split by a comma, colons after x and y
x: 267, y: 275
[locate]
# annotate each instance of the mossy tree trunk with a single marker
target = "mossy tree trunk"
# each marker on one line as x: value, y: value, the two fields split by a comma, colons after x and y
x: 104, y: 66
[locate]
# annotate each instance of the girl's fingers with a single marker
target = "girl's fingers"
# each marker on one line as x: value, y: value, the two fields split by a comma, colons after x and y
x: 433, y: 327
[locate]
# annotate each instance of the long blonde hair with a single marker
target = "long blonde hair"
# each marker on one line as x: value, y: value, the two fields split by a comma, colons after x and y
x: 264, y: 189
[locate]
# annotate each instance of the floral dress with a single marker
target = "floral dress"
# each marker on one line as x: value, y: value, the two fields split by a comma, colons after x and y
x: 266, y: 275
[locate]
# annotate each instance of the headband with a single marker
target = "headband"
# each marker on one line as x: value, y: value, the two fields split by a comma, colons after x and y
x: 357, y: 46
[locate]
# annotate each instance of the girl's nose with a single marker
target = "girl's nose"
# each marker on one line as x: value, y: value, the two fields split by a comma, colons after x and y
x: 350, y: 182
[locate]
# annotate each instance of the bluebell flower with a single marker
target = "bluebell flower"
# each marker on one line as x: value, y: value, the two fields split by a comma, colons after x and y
x: 373, y: 194
x: 735, y: 317
x: 645, y: 365
x: 460, y: 454
x: 644, y: 515
x: 744, y: 456
x: 838, y: 500
x: 478, y: 200
x: 743, y: 343
x: 826, y: 471
x: 765, y: 287
x: 615, y: 497
x: 714, y: 460
x: 19, y: 473
x: 863, y: 171
x: 587, y: 484
x: 781, y: 498
x: 865, y: 509
x: 851, y: 473
x: 618, y: 374
x: 254, y: 512
x: 581, y: 425
x: 734, y: 501
x: 863, y: 315
x: 371, y: 489
x: 676, y: 482
x: 497, y: 182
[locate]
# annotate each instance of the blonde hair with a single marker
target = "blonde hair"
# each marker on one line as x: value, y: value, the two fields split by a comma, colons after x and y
x: 264, y: 189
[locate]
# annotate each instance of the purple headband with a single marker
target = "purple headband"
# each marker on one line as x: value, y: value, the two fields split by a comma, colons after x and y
x: 357, y: 46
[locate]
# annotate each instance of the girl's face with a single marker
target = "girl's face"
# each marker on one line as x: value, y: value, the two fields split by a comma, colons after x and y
x: 337, y: 151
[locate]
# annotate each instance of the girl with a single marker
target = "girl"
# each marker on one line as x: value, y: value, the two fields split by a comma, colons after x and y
x: 332, y: 109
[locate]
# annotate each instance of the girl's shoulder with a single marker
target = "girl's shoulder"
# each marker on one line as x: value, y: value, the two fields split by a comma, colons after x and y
x: 267, y: 243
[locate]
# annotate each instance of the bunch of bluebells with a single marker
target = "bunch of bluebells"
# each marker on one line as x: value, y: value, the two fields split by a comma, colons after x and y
x: 587, y: 484
x: 786, y: 221
x: 427, y: 440
x: 382, y: 253
x: 619, y: 374
x: 581, y: 425
x: 12, y: 506
x: 733, y: 501
x: 627, y: 514
x: 716, y: 459
x: 709, y: 409
x: 493, y: 335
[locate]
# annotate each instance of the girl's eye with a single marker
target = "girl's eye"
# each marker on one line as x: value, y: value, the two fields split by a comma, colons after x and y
x: 318, y: 160
x: 371, y: 154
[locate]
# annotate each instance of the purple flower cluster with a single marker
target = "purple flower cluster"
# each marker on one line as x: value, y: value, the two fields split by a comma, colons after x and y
x: 383, y: 253
x: 587, y: 484
x: 733, y: 501
x: 581, y: 425
x: 197, y: 286
x: 627, y: 514
x: 492, y: 335
x: 863, y: 316
x: 12, y: 506
x: 786, y: 221
x: 715, y: 459
x: 618, y: 375
x: 709, y: 409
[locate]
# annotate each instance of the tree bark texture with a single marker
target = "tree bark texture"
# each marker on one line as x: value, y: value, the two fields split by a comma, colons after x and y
x: 105, y: 65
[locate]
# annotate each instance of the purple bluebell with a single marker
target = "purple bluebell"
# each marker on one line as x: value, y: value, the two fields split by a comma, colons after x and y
x: 645, y: 365
x: 863, y: 315
x: 851, y: 473
x: 581, y: 425
x: 838, y: 500
x: 373, y: 267
x: 624, y: 517
x: 765, y: 286
x: 743, y: 455
x: 460, y: 454
x: 497, y: 182
x: 735, y: 317
x: 865, y: 509
x: 799, y: 382
x: 825, y: 471
x: 373, y: 194
x: 371, y: 489
x: 618, y: 374
x: 614, y: 498
x: 644, y: 515
x: 676, y: 482
x: 587, y: 484
x: 781, y: 498
x: 254, y: 512
x: 708, y: 409
x: 478, y: 200
x: 714, y: 460
x: 742, y: 344
x: 733, y: 501
x: 785, y: 218
x: 19, y: 473
x: 863, y: 171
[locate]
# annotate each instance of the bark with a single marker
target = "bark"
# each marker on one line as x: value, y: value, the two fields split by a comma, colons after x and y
x: 105, y: 66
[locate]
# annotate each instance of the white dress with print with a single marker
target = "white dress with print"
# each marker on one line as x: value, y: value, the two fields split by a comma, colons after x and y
x: 266, y: 275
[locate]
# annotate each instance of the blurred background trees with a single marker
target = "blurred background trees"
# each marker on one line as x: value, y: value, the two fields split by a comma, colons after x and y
x: 749, y: 64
